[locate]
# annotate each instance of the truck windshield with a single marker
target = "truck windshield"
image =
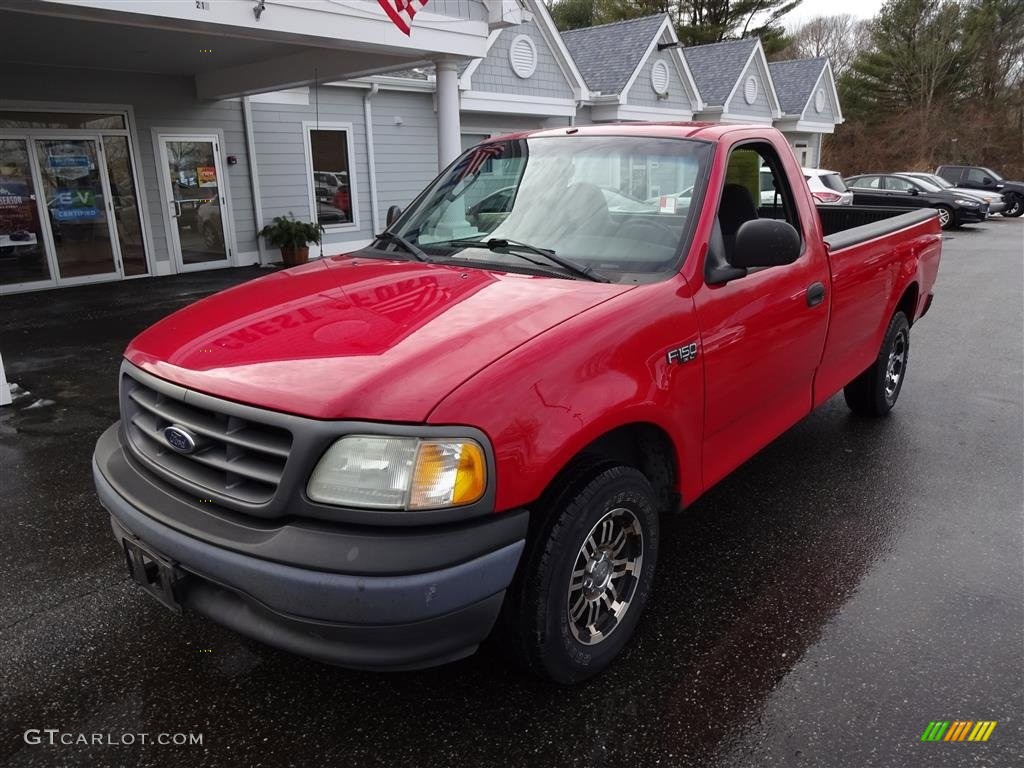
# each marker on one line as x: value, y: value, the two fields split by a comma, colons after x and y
x: 576, y: 206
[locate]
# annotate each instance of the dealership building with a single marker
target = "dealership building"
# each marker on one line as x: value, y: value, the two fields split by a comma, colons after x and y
x: 153, y: 137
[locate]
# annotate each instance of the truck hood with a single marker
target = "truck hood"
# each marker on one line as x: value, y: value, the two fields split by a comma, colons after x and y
x: 357, y: 338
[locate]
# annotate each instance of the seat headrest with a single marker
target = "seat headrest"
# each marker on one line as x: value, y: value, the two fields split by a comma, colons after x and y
x: 737, y: 207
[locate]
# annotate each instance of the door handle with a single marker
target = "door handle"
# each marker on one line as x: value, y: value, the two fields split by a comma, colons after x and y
x: 815, y: 294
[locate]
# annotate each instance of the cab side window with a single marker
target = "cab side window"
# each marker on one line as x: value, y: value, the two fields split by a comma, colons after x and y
x: 867, y: 182
x: 756, y: 186
x: 977, y: 176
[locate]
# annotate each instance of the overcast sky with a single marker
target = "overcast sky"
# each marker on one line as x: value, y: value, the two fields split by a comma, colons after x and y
x: 808, y: 9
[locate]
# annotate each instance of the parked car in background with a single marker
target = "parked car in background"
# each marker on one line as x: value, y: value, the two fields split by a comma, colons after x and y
x: 996, y: 203
x: 980, y: 177
x: 827, y: 187
x: 893, y: 191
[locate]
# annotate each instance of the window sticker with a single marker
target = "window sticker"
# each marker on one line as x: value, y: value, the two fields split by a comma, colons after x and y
x: 667, y: 204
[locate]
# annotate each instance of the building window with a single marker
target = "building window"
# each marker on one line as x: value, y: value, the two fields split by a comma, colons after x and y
x: 332, y: 179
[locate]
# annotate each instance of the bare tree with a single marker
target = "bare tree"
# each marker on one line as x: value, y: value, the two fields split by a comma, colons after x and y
x: 839, y: 37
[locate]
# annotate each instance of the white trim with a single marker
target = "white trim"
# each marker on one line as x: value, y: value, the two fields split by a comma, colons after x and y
x: 297, y: 96
x: 223, y: 187
x: 804, y: 126
x: 311, y: 125
x: 466, y: 78
x: 477, y: 101
x: 643, y: 60
x: 773, y: 98
x: 832, y: 93
x: 562, y: 56
x: 615, y: 111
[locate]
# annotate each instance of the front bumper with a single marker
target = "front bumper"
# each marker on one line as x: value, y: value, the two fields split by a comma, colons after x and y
x: 971, y: 216
x: 332, y: 593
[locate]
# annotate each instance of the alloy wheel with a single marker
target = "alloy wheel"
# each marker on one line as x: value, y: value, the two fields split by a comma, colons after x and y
x: 605, y: 576
x: 896, y: 365
x: 943, y: 218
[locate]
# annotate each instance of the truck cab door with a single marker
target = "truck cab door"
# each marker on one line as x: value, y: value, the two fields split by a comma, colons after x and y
x: 762, y: 334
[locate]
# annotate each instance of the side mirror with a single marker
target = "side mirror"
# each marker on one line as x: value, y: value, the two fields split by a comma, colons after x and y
x: 393, y: 213
x: 915, y: 191
x: 986, y: 181
x: 765, y: 243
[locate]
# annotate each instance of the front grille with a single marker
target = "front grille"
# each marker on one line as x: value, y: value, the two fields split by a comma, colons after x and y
x: 237, y: 458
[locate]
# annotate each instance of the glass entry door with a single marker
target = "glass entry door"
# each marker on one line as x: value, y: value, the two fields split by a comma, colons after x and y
x: 23, y: 256
x: 197, y: 208
x: 74, y: 187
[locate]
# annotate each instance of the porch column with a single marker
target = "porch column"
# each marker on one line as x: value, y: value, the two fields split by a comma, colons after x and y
x: 449, y: 132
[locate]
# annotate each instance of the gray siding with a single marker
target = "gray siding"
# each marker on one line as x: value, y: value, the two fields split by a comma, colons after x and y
x: 761, y: 108
x: 280, y: 156
x: 828, y: 114
x: 642, y: 94
x: 813, y: 143
x: 495, y: 75
x: 406, y: 154
x: 159, y: 101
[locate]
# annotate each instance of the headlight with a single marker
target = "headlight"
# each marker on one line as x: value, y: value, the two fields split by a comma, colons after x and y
x: 399, y: 473
x: 968, y: 203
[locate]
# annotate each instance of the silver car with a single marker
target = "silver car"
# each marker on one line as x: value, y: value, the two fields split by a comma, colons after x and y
x: 995, y: 200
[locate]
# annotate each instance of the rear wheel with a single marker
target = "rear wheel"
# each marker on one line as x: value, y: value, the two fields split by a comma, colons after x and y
x: 1014, y: 206
x: 947, y: 220
x: 875, y: 391
x: 586, y: 575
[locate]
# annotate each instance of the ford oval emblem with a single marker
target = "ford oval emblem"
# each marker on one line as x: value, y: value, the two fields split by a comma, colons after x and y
x: 180, y: 439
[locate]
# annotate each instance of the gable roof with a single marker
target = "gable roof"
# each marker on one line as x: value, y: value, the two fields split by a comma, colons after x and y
x: 717, y: 66
x: 794, y: 82
x: 607, y: 55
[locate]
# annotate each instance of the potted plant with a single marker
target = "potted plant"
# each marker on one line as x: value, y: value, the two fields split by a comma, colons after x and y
x: 292, y: 237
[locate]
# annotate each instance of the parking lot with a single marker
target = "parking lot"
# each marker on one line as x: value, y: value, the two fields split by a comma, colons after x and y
x: 851, y: 583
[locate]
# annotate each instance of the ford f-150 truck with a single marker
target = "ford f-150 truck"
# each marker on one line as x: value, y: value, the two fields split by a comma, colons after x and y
x: 471, y: 426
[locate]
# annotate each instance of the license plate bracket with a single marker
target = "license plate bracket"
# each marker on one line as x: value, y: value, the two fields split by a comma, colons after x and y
x: 153, y: 572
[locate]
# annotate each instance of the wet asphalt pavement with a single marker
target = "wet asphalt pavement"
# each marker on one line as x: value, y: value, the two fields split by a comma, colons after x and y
x: 854, y: 581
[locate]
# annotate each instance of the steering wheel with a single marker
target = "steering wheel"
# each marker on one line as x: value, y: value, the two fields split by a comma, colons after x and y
x: 663, y: 235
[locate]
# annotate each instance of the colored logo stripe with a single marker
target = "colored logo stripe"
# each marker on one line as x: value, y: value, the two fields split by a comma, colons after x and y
x: 958, y: 730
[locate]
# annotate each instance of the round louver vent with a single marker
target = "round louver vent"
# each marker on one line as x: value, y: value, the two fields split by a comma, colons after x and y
x: 750, y: 90
x: 819, y: 100
x: 522, y: 54
x: 659, y: 78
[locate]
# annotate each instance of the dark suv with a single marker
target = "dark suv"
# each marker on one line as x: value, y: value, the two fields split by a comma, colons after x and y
x: 979, y: 177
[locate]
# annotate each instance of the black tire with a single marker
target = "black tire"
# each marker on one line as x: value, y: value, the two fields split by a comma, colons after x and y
x: 536, y: 627
x: 874, y: 393
x: 1014, y: 206
x: 947, y: 213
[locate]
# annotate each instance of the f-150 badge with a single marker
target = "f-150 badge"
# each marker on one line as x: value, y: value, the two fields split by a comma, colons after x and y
x: 683, y: 354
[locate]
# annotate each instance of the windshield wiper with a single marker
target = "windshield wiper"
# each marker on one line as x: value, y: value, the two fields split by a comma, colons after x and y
x: 400, y: 241
x: 504, y: 244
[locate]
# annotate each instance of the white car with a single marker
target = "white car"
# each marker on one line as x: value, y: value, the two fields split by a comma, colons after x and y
x: 827, y: 187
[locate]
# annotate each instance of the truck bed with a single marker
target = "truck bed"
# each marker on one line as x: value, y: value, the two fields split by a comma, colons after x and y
x: 846, y: 225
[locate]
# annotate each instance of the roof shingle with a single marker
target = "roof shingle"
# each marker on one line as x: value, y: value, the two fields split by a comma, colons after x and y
x: 717, y: 66
x: 608, y: 54
x: 794, y: 81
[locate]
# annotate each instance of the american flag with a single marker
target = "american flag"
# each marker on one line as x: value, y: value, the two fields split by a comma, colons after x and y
x: 470, y: 164
x: 402, y: 11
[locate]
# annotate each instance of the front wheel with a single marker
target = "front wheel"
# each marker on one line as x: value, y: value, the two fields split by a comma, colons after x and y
x: 875, y: 391
x: 1014, y: 206
x: 586, y: 576
x: 947, y: 220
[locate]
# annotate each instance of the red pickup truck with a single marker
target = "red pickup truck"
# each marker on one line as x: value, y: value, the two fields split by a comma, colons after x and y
x: 471, y: 426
